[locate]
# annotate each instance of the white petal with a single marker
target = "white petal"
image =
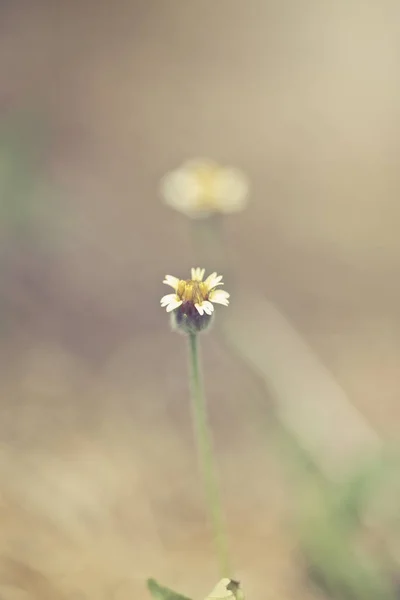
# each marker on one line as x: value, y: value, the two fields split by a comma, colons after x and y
x: 167, y: 299
x: 172, y: 281
x: 199, y: 309
x: 219, y: 297
x: 207, y: 307
x: 232, y: 190
x: 213, y: 280
x: 173, y: 305
x: 197, y: 274
x: 180, y: 190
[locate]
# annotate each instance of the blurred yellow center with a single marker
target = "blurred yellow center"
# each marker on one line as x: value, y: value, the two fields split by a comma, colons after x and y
x: 192, y: 291
x: 207, y: 176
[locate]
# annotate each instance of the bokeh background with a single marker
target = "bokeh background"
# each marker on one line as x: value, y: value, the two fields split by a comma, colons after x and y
x: 99, y: 486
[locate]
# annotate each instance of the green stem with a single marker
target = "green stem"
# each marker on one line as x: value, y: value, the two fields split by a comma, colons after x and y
x: 205, y: 450
x: 209, y: 246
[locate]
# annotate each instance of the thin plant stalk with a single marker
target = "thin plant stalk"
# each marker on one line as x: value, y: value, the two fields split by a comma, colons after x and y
x: 206, y: 457
x: 209, y: 244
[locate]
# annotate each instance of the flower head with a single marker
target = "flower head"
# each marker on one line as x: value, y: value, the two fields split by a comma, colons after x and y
x: 200, y: 188
x: 192, y: 302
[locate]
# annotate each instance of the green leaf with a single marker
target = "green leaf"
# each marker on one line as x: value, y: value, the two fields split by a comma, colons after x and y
x: 163, y: 593
x: 365, y: 486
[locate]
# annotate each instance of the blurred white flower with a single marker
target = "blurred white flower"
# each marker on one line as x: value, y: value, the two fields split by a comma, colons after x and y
x: 200, y: 188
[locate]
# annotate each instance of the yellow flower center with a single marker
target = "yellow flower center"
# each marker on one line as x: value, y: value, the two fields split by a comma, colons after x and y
x: 192, y: 291
x: 207, y: 176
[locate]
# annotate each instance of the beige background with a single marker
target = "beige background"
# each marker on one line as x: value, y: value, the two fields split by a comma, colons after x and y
x: 99, y: 487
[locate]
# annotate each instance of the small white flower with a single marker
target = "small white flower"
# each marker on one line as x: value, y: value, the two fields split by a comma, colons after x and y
x: 201, y: 187
x: 195, y: 292
x: 192, y: 302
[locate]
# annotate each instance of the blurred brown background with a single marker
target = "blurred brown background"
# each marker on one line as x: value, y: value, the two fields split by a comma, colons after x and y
x: 99, y: 483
